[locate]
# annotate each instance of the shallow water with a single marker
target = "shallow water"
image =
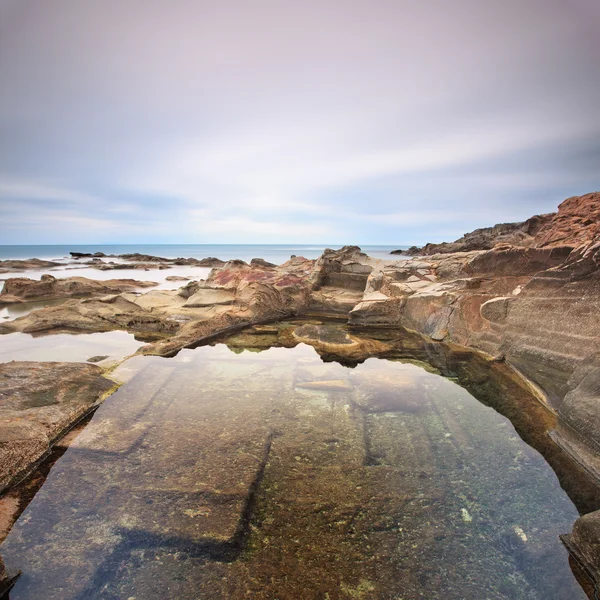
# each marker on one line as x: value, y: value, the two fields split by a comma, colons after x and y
x: 13, y: 311
x: 224, y: 473
x: 68, y: 347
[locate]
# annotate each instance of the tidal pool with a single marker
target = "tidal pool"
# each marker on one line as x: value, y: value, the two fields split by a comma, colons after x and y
x: 109, y: 346
x: 227, y: 473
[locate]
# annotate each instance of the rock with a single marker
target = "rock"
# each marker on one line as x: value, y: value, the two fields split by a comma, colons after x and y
x: 211, y: 261
x: 78, y: 255
x: 93, y: 314
x: 260, y: 262
x: 576, y: 223
x: 146, y: 258
x: 39, y: 402
x: 177, y: 278
x: 584, y: 544
x: 516, y: 234
x: 96, y: 359
x: 345, y: 268
x: 8, y: 266
x: 209, y: 297
x: 334, y: 385
x: 322, y: 334
x: 49, y: 287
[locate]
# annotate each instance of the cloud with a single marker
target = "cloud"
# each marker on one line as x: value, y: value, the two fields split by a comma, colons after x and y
x: 386, y: 122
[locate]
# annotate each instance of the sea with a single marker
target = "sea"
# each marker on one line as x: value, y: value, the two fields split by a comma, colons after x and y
x: 275, y: 253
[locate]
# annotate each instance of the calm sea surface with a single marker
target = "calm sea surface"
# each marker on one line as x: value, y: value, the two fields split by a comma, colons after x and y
x: 277, y: 253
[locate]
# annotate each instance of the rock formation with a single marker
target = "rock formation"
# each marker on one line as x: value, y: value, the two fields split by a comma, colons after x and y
x: 39, y: 402
x: 12, y: 266
x: 49, y: 287
x: 527, y: 294
x: 577, y: 222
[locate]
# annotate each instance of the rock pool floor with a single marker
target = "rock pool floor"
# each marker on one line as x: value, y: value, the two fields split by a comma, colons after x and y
x: 224, y: 473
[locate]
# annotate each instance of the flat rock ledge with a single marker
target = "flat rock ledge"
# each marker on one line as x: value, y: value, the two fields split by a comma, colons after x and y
x: 39, y: 403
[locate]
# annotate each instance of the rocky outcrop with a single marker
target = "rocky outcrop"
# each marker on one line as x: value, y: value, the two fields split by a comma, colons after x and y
x: 532, y: 304
x: 517, y: 234
x: 12, y: 266
x: 49, y: 287
x: 576, y: 223
x: 78, y: 255
x: 39, y: 402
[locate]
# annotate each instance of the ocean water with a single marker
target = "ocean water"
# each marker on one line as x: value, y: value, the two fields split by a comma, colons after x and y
x: 276, y: 253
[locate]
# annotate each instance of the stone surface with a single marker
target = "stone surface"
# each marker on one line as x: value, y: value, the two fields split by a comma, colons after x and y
x: 38, y: 403
x: 10, y: 266
x: 49, y: 287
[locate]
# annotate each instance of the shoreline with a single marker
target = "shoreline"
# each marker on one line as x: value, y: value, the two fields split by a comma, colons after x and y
x: 508, y: 302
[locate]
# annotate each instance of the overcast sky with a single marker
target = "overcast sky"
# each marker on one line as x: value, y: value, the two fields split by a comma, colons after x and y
x: 313, y: 121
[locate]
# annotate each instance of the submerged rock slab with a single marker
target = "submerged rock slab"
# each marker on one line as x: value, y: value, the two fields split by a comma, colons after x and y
x: 39, y: 402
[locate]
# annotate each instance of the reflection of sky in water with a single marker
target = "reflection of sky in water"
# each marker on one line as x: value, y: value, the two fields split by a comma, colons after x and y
x: 384, y: 478
x: 67, y: 347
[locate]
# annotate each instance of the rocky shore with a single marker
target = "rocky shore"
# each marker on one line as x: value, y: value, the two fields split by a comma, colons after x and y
x: 526, y: 294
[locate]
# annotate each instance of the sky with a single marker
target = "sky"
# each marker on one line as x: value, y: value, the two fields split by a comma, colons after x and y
x: 263, y: 121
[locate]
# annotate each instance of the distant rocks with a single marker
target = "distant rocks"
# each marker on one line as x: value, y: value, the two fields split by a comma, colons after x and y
x: 516, y: 234
x: 577, y: 222
x: 143, y: 261
x: 30, y: 264
x: 53, y: 396
x: 48, y: 287
x: 78, y: 255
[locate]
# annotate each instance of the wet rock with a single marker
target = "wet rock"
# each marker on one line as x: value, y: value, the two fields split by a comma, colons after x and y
x: 39, y: 402
x: 209, y: 297
x: 49, y: 287
x: 584, y: 544
x: 323, y: 334
x: 261, y: 262
x: 345, y: 268
x: 177, y: 278
x: 576, y: 223
x: 92, y: 314
x: 8, y: 266
x: 95, y: 359
x: 518, y: 234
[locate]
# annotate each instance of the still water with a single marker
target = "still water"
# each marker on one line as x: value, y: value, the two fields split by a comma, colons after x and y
x: 228, y: 473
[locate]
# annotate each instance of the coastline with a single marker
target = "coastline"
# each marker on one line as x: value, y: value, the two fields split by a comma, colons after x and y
x: 532, y: 307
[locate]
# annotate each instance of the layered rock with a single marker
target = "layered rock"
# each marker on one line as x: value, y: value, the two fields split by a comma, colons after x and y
x: 518, y: 234
x: 39, y: 402
x: 49, y: 287
x: 11, y: 266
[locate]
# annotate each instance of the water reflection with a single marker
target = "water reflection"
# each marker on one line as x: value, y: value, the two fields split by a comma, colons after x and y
x: 103, y: 348
x: 273, y: 474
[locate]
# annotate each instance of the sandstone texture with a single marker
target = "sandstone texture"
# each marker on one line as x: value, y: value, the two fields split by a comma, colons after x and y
x: 577, y: 222
x: 11, y: 266
x: 39, y: 402
x: 49, y: 287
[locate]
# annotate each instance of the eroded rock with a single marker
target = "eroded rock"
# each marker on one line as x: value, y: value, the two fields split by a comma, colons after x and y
x: 39, y: 402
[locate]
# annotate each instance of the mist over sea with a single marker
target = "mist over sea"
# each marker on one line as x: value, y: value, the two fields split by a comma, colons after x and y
x: 276, y: 253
